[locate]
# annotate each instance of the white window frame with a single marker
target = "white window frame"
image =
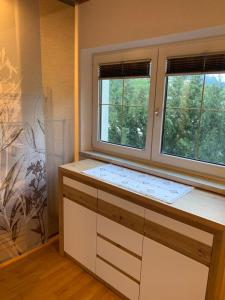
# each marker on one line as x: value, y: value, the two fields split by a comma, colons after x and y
x: 150, y: 53
x: 185, y: 49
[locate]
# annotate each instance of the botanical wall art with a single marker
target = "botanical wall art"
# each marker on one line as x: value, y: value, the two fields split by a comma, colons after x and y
x: 23, y: 192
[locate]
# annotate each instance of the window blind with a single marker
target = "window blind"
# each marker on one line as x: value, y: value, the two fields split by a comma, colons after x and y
x: 125, y: 69
x: 196, y: 64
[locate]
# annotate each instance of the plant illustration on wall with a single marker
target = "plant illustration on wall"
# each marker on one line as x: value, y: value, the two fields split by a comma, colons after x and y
x: 23, y: 189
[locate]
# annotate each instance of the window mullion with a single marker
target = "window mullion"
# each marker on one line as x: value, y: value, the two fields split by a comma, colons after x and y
x: 200, y: 120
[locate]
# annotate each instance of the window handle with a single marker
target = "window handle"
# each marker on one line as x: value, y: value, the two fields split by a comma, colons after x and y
x: 157, y: 113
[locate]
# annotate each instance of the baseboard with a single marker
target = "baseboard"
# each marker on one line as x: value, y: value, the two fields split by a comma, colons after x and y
x: 28, y: 253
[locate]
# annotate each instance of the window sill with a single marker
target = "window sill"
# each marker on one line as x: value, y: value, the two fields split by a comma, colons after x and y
x: 195, y: 181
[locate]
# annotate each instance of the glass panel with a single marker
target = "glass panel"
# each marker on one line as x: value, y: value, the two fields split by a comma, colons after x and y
x: 214, y: 93
x: 184, y: 91
x: 36, y: 118
x: 136, y: 91
x: 112, y: 91
x: 124, y: 111
x: 212, y: 137
x: 134, y: 127
x: 194, y: 118
x: 111, y: 124
x: 179, y: 135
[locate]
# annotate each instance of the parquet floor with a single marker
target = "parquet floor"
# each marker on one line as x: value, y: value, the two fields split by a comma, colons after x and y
x: 45, y: 275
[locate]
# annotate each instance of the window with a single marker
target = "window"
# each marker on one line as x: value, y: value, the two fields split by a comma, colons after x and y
x: 123, y: 105
x: 163, y: 104
x: 123, y: 102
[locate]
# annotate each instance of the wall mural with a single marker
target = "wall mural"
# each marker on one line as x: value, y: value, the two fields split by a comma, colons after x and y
x: 23, y: 191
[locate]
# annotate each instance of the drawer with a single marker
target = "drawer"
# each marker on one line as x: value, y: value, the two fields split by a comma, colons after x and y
x: 123, y: 260
x: 89, y: 190
x: 121, y: 215
x: 184, y: 229
x: 122, y: 203
x: 117, y: 280
x: 120, y: 235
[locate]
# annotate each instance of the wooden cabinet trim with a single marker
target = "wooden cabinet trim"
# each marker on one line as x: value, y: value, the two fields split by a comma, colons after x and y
x: 121, y: 216
x: 178, y: 242
x: 79, y: 186
x: 216, y: 279
x: 80, y: 198
x: 172, y: 239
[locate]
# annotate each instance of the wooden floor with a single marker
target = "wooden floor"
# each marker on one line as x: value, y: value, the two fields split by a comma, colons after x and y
x: 45, y: 275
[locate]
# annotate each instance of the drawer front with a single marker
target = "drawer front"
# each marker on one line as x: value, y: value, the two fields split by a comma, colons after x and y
x: 187, y: 230
x: 122, y: 203
x: 120, y: 235
x: 123, y: 260
x: 121, y: 216
x: 117, y: 280
x: 89, y: 190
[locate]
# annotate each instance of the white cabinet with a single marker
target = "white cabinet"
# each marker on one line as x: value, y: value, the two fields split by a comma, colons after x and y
x: 80, y: 233
x: 167, y: 274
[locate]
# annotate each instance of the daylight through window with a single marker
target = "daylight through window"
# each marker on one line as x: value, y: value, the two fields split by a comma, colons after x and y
x: 124, y: 95
x: 194, y: 113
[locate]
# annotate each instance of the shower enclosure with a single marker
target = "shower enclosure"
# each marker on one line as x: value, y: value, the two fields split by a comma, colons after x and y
x: 36, y: 118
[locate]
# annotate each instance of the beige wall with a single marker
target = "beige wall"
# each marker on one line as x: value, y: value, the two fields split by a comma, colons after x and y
x: 57, y: 53
x: 104, y: 22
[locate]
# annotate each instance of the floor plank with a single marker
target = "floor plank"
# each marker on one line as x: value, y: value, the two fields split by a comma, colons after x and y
x: 47, y: 275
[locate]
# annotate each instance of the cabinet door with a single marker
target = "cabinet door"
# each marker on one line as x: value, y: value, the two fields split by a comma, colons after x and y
x: 80, y: 233
x: 167, y: 274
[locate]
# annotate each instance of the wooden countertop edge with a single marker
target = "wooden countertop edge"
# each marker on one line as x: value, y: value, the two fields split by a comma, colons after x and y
x: 160, y: 207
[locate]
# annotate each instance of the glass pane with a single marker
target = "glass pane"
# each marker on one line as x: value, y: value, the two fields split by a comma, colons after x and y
x: 124, y: 111
x: 214, y: 93
x: 180, y: 132
x: 134, y: 127
x: 136, y: 91
x: 111, y: 123
x: 111, y: 91
x: 184, y: 91
x: 194, y: 119
x: 212, y: 138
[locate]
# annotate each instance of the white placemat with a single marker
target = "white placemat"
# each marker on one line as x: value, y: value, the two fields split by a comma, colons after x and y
x: 148, y: 185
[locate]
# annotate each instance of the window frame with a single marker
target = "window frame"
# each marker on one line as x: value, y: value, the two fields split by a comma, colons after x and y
x: 165, y: 52
x: 148, y: 53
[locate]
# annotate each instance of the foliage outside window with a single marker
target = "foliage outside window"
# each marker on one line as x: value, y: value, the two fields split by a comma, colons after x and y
x: 124, y: 98
x: 124, y: 111
x: 194, y: 115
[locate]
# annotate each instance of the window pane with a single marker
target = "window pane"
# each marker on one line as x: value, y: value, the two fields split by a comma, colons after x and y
x: 194, y: 118
x: 134, y: 127
x: 124, y: 111
x: 111, y: 125
x: 184, y: 91
x: 212, y: 137
x: 214, y: 94
x: 179, y: 135
x: 112, y: 91
x: 136, y: 91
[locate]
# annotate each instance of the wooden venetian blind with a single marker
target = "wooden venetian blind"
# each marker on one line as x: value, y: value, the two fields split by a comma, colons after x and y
x: 125, y: 69
x: 196, y: 64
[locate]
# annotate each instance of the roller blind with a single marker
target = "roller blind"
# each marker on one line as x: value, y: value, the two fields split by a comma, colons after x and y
x: 196, y: 64
x: 125, y: 69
